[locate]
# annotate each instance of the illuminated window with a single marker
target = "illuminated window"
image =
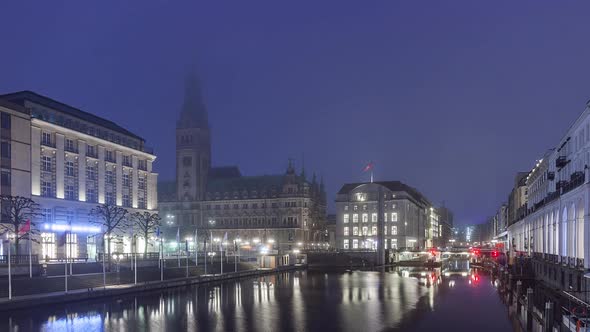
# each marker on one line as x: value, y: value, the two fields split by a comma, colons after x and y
x: 355, y: 231
x: 345, y: 231
x: 374, y: 217
x: 355, y: 208
x: 72, y: 245
x: 365, y: 217
x: 385, y: 230
x: 365, y: 230
x: 385, y: 217
x: 355, y: 218
x: 346, y: 244
x: 394, y: 216
x: 374, y: 230
x: 48, y: 245
x: 70, y: 192
x: 393, y: 230
x: 345, y: 219
x: 345, y: 207
x: 355, y: 243
x: 46, y: 189
x: 109, y: 177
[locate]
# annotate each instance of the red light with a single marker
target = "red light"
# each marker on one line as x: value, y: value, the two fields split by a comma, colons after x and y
x: 494, y: 254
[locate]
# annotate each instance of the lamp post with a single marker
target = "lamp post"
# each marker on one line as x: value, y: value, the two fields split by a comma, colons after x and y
x: 236, y: 252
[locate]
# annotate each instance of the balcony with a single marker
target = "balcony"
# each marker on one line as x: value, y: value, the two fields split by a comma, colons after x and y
x: 577, y: 179
x: 49, y: 143
x: 561, y: 161
x: 551, y: 176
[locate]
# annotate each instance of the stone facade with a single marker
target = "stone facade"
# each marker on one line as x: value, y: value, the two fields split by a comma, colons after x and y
x: 77, y: 161
x: 408, y: 217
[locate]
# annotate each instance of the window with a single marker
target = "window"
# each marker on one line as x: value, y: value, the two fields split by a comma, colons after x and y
x: 141, y: 182
x: 5, y: 149
x: 109, y: 156
x: 365, y: 217
x: 70, y: 168
x: 355, y: 243
x: 48, y: 245
x: 91, y: 196
x: 46, y: 163
x: 126, y: 180
x: 394, y: 216
x: 5, y: 177
x: 355, y: 207
x: 91, y: 151
x: 345, y: 244
x: 127, y: 160
x: 46, y: 215
x: 385, y: 217
x: 5, y: 120
x: 110, y: 177
x: 141, y: 202
x: 70, y: 192
x: 72, y: 245
x: 345, y: 207
x: 385, y: 231
x: 126, y: 200
x: 355, y: 218
x: 187, y: 161
x: 393, y: 230
x: 45, y: 138
x: 345, y: 231
x: 245, y: 206
x: 345, y: 220
x: 374, y: 230
x: 91, y: 172
x: 374, y: 217
x: 69, y: 145
x: 46, y: 190
x: 355, y: 231
x: 110, y: 198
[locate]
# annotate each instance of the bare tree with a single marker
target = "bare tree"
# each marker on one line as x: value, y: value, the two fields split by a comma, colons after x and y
x: 112, y: 220
x: 16, y: 211
x: 147, y: 223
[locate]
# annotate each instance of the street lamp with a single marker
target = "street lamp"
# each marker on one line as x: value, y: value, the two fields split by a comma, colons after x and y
x: 170, y: 219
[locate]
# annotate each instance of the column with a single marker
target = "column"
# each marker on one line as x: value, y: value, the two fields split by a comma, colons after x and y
x: 59, y: 165
x: 119, y: 178
x: 134, y: 181
x: 101, y: 171
x: 36, y: 161
x: 82, y: 170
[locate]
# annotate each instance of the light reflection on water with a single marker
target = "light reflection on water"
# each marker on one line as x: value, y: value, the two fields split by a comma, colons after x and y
x: 398, y: 299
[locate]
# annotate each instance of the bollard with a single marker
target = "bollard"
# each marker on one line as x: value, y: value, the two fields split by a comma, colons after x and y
x: 548, y: 317
x: 529, y: 309
x: 518, y: 296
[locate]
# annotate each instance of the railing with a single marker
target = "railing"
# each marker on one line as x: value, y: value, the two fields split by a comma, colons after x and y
x: 580, y: 263
x: 18, y: 259
x: 129, y: 256
x: 61, y: 258
x: 577, y: 179
x: 561, y: 161
x: 72, y: 149
x: 48, y: 143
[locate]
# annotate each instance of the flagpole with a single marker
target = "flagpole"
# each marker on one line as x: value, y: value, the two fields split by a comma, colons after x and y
x: 9, y: 273
x: 162, y: 262
x: 205, y: 248
x: 178, y: 245
x: 221, y: 255
x: 30, y: 257
x: 196, y: 248
x: 66, y: 264
x: 186, y: 247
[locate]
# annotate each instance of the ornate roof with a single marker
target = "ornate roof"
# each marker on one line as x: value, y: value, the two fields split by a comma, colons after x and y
x: 194, y: 113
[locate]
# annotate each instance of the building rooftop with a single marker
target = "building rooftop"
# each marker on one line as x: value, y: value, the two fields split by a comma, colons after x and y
x: 391, y: 185
x: 21, y: 96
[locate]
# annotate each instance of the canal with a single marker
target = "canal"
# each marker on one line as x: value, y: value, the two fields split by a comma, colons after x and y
x: 400, y: 299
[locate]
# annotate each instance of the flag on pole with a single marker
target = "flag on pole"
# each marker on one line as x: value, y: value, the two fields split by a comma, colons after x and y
x: 25, y: 228
x: 178, y: 235
x: 369, y: 166
x: 158, y: 232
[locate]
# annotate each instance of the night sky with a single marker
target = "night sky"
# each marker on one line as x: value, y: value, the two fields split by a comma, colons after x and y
x: 451, y: 97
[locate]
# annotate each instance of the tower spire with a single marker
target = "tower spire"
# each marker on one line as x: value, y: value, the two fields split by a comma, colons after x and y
x: 193, y: 113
